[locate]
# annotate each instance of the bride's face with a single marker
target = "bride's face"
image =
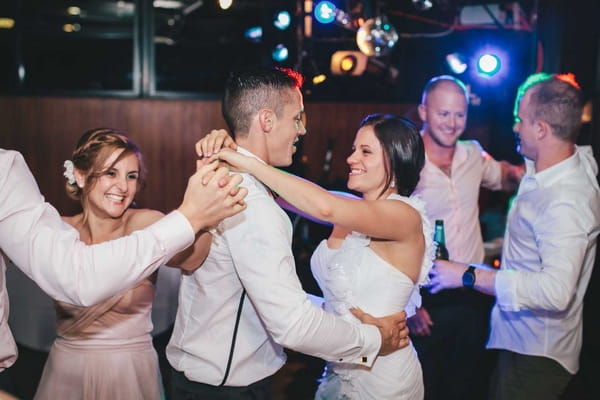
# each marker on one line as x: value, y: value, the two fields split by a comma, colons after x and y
x: 367, y: 164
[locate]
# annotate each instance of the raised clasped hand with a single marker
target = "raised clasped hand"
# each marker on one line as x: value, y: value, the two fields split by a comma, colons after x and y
x: 212, y: 195
x: 233, y: 159
x: 213, y: 142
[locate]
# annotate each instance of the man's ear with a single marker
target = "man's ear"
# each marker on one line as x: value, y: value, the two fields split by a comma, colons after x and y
x: 266, y: 118
x: 422, y: 112
x: 542, y: 129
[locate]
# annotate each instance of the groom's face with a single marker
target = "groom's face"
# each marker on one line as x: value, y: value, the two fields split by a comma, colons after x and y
x: 287, y: 129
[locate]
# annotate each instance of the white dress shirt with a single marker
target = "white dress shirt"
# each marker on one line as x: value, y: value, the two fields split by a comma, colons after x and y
x: 471, y: 168
x: 252, y: 250
x: 48, y: 250
x: 547, y: 260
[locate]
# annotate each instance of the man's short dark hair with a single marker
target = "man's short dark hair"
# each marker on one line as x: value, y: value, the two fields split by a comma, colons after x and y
x: 251, y: 89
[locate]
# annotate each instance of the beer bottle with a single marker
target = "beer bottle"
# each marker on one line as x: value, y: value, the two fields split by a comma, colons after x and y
x: 441, y: 252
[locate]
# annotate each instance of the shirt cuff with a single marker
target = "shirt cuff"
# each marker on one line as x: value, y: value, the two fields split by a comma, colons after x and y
x: 174, y: 233
x: 370, y: 350
x: 506, y: 290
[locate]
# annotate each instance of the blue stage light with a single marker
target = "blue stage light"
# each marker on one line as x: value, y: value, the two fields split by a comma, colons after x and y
x: 457, y: 63
x: 254, y: 33
x: 282, y: 20
x: 325, y: 12
x: 280, y: 53
x: 488, y: 64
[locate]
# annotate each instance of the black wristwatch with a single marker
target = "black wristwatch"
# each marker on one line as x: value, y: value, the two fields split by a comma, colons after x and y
x: 468, y: 278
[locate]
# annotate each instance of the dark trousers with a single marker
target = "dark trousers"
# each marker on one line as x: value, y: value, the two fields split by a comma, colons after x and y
x: 184, y: 389
x: 455, y: 363
x: 523, y: 377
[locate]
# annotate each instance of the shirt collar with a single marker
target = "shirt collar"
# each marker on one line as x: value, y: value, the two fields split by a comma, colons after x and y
x: 552, y: 174
x: 245, y: 152
x: 460, y: 155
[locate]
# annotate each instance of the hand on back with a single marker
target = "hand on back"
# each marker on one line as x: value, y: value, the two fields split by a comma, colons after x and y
x: 393, y: 329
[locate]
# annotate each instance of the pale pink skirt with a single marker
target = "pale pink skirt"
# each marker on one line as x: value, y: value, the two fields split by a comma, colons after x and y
x: 75, y: 371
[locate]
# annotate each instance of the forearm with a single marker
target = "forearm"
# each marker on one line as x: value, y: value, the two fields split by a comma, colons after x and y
x: 68, y: 270
x: 485, y: 281
x: 300, y: 193
x: 267, y: 272
x: 308, y: 329
x: 192, y: 257
x: 518, y: 290
x: 544, y: 269
x: 511, y: 175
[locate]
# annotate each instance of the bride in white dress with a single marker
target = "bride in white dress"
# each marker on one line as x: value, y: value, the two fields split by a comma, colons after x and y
x: 379, y: 269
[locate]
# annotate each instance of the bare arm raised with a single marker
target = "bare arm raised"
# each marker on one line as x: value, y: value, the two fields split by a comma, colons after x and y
x: 401, y: 220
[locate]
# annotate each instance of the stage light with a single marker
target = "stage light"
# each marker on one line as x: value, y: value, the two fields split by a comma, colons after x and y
x: 70, y: 28
x: 376, y: 37
x: 456, y: 62
x: 73, y: 10
x: 6, y: 23
x: 325, y: 12
x: 488, y: 64
x: 422, y: 5
x: 280, y: 53
x: 282, y: 20
x: 348, y: 64
x: 351, y: 63
x: 318, y: 79
x: 225, y: 4
x: 254, y: 33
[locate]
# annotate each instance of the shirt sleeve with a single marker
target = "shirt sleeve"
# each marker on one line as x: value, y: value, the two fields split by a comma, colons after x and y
x: 562, y: 236
x: 491, y: 174
x: 260, y: 243
x: 48, y: 250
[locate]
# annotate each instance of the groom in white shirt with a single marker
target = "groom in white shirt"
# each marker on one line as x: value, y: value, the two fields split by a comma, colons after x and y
x: 238, y: 311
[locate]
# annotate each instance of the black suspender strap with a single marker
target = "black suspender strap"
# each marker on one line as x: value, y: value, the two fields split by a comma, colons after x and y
x: 235, y: 330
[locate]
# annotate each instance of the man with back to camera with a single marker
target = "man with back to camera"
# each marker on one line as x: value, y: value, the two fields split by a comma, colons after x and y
x: 247, y: 292
x: 450, y: 329
x: 549, y: 248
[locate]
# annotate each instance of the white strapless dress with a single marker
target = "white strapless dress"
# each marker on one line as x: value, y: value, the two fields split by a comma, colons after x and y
x: 355, y: 276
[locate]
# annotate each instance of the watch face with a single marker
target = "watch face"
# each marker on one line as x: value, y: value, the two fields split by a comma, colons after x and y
x: 468, y: 278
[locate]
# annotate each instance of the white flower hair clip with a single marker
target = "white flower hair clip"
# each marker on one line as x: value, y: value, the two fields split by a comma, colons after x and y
x: 68, y: 164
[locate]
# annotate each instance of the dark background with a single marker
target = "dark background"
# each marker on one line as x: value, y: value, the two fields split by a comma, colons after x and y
x: 156, y: 73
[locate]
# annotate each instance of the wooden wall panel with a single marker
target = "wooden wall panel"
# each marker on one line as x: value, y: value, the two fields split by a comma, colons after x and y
x: 339, y: 122
x: 45, y: 130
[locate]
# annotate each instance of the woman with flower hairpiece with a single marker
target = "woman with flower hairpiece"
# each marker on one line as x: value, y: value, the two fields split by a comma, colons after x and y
x: 105, y: 351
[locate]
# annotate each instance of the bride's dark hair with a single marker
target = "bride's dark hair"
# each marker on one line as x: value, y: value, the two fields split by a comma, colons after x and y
x: 403, y: 150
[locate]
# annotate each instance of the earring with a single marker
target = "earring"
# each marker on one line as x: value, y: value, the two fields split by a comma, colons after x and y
x: 393, y: 184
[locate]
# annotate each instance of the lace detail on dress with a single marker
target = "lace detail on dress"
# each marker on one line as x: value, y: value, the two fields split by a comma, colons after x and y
x: 337, y: 280
x: 419, y: 205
